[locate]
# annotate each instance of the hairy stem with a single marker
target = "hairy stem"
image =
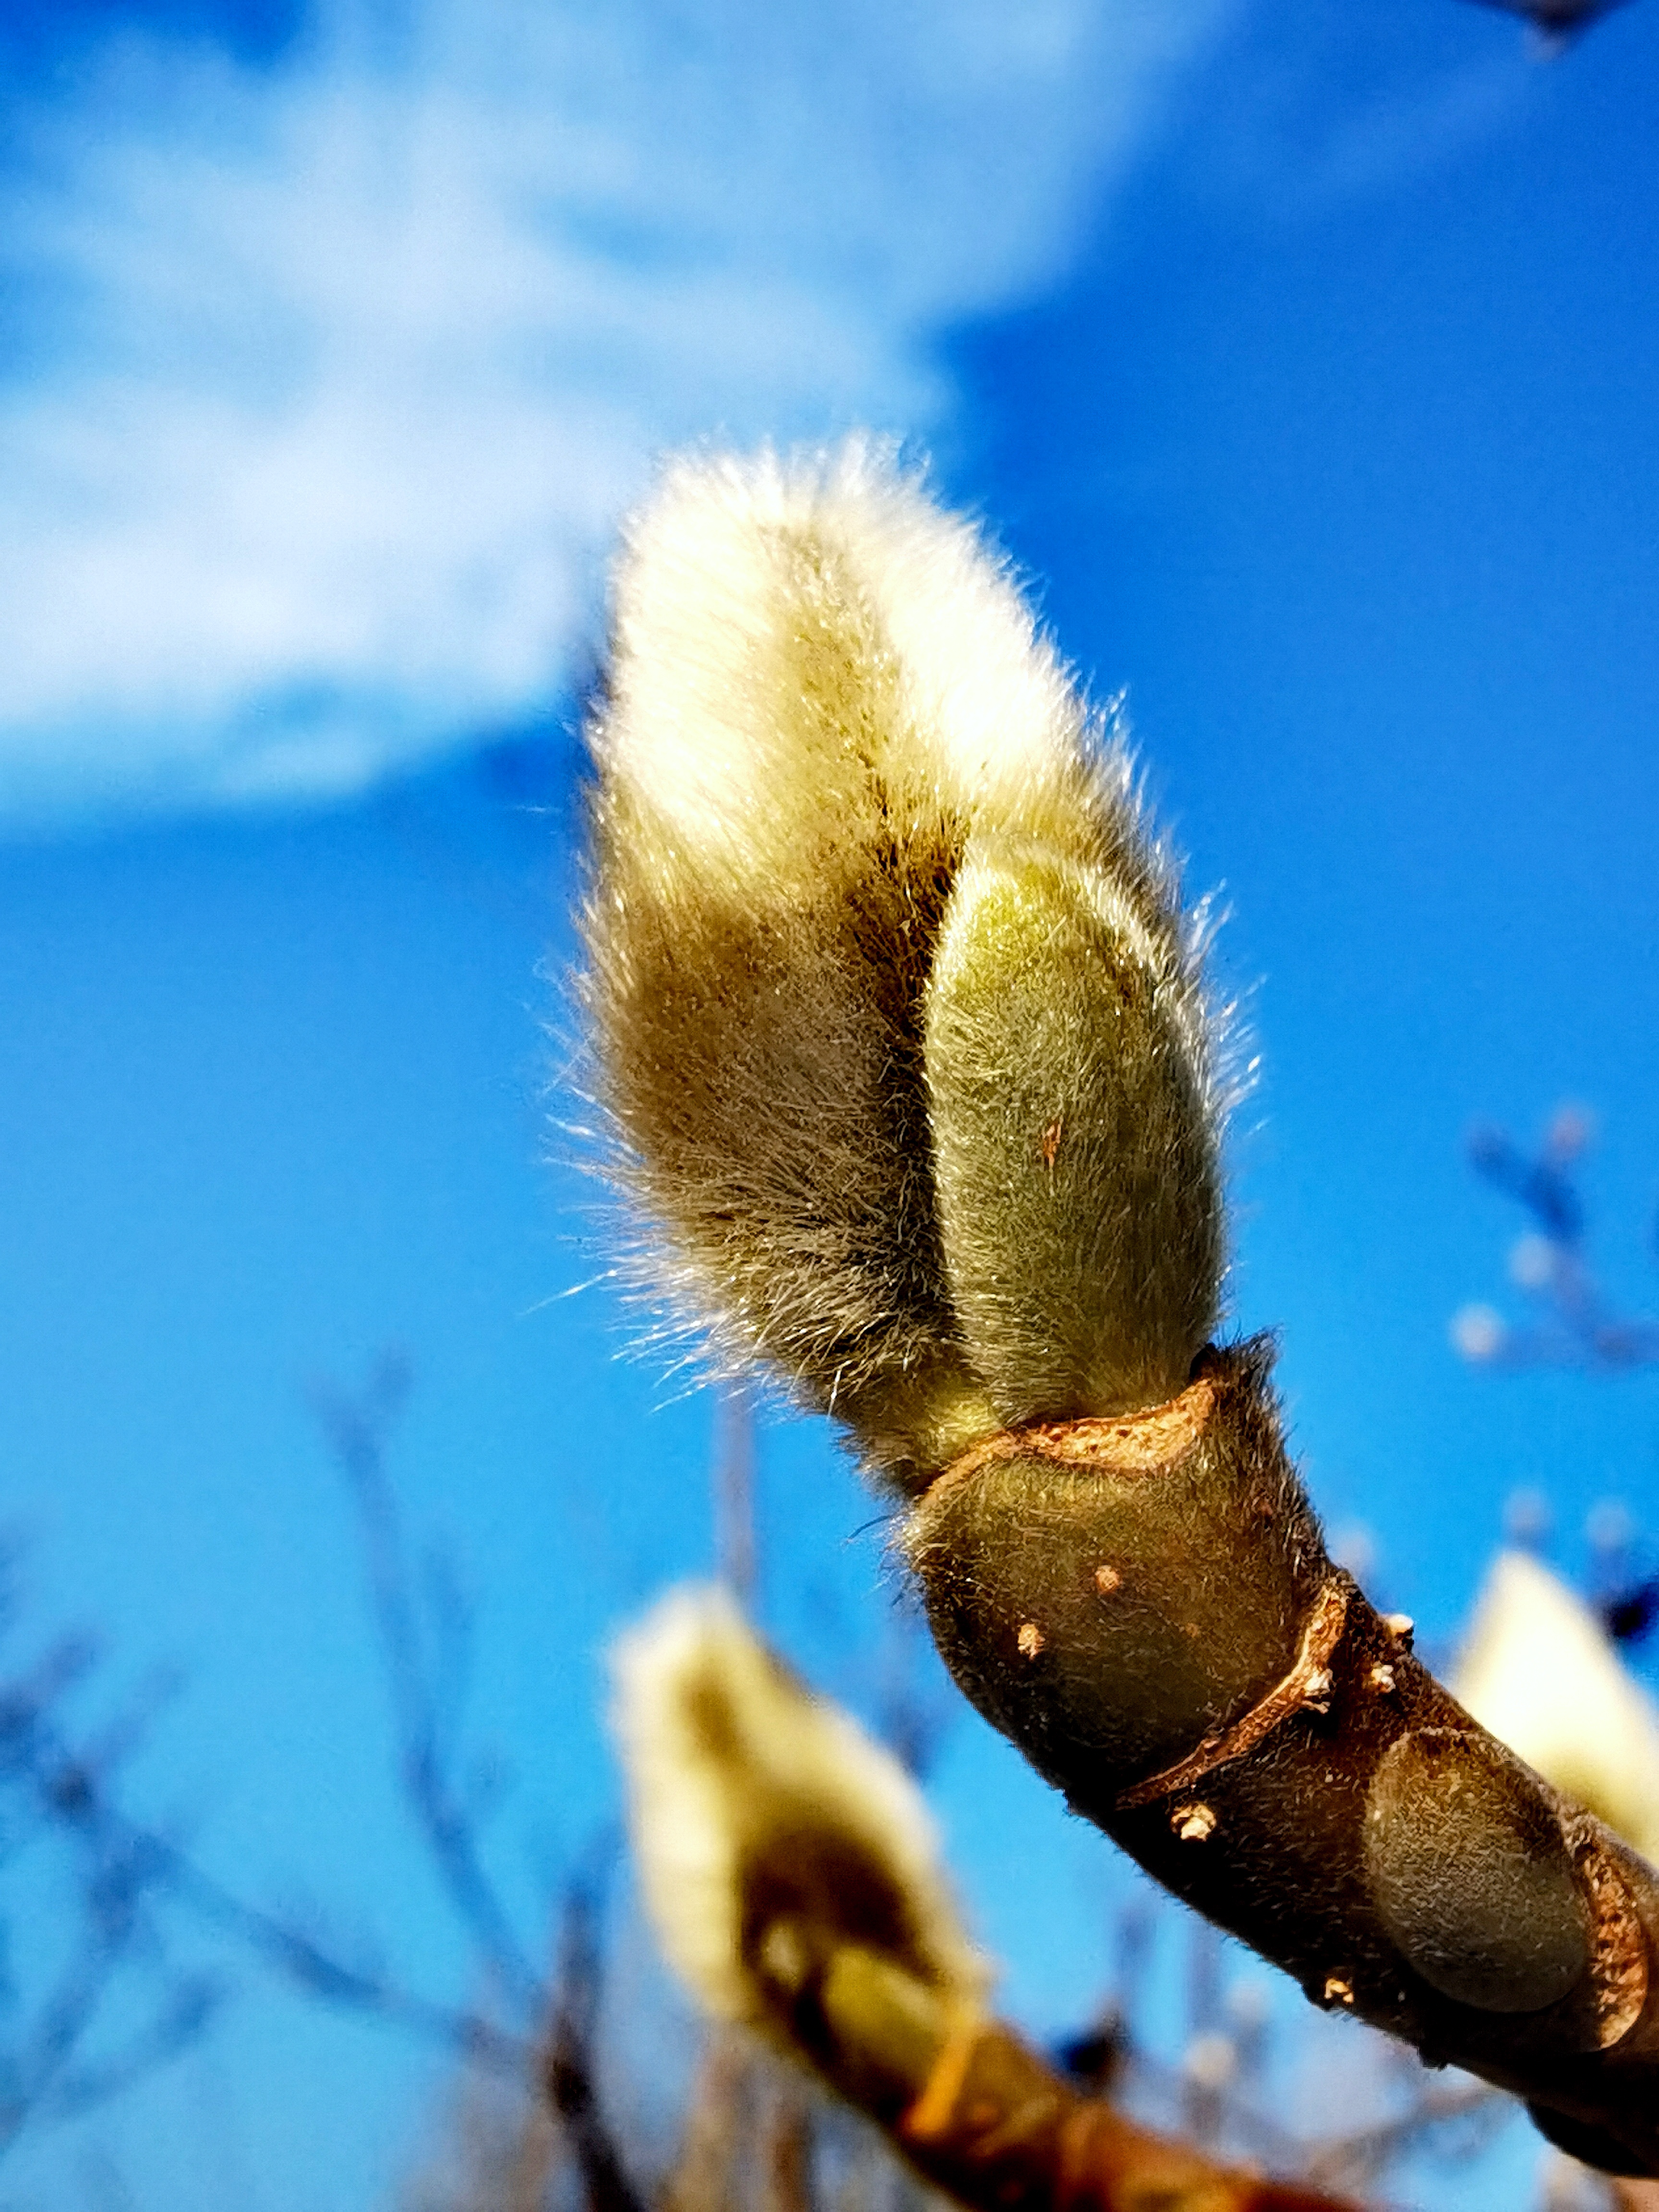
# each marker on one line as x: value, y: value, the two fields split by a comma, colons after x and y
x: 1146, y: 1606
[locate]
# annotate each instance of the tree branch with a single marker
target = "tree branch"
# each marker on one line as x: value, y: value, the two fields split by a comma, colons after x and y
x: 904, y: 1038
x: 77, y: 1797
x: 51, y: 1789
x: 567, y: 2062
x: 977, y: 2112
x: 1371, y: 1838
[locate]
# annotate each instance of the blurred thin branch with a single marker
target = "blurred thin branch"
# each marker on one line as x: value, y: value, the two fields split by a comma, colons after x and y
x: 1574, y: 1323
x: 737, y: 1543
x: 1556, y: 22
x: 1574, y: 1326
x: 1359, y: 2159
x: 424, y: 1688
x: 1220, y: 2092
x: 424, y: 1632
x: 568, y: 2058
x: 112, y: 1960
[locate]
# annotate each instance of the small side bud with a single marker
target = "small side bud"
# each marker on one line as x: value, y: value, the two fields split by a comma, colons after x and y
x: 1470, y: 1874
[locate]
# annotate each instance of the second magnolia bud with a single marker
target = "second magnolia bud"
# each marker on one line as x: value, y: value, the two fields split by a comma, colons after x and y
x: 1078, y: 1202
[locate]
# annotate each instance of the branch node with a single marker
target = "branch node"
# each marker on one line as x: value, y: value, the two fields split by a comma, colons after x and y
x: 1309, y: 1684
x: 1620, y: 1968
x: 1149, y: 1442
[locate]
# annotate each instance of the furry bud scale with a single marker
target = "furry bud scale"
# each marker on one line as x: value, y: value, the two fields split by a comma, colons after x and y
x: 849, y: 816
x: 1472, y: 1874
x: 1075, y: 1164
x: 1197, y: 1616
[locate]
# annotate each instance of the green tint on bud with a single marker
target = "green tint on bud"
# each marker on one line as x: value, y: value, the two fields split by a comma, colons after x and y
x: 1074, y: 1154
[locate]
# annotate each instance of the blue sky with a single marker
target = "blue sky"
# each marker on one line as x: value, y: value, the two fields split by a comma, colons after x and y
x: 1305, y: 354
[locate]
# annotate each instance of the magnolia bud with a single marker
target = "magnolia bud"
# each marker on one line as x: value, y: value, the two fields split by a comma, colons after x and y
x: 901, y: 1041
x: 785, y: 1857
x: 897, y: 1020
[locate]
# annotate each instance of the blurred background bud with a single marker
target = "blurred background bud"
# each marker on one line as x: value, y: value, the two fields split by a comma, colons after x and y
x: 773, y: 1836
x: 1541, y: 1673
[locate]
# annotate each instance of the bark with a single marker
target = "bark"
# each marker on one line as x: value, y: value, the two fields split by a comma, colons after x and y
x: 1145, y: 1605
x: 997, y: 2127
x: 979, y: 2114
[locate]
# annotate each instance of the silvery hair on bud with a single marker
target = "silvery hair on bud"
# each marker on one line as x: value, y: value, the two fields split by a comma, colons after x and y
x: 765, y: 1822
x: 898, y: 1022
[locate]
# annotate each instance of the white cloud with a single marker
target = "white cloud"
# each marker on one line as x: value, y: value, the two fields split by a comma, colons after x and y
x: 339, y: 372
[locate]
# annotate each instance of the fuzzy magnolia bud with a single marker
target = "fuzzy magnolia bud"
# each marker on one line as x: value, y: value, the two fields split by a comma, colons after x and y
x: 902, y: 1036
x: 1539, y: 1671
x: 898, y: 1020
x: 789, y: 1864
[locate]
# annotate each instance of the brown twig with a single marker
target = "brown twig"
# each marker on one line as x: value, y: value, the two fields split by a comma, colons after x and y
x: 1376, y: 1842
x: 52, y: 1785
x: 997, y: 2127
x: 567, y: 2065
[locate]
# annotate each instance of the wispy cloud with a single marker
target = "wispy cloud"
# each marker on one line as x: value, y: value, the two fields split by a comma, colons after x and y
x: 1360, y: 103
x: 338, y: 372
